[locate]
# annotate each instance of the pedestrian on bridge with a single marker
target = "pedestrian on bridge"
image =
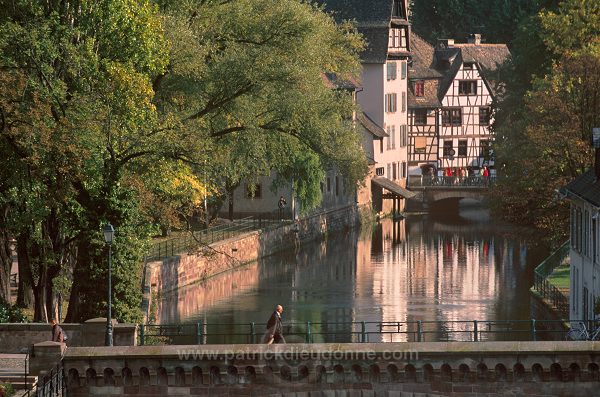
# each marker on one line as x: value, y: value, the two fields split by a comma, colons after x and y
x: 274, y: 333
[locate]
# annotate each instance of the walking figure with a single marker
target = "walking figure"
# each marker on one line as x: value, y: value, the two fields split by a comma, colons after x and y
x: 281, y: 204
x: 274, y: 333
x: 58, y: 335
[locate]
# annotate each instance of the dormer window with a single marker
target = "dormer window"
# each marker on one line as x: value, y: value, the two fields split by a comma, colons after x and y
x: 398, y: 38
x: 399, y: 10
x: 419, y: 88
x: 468, y: 65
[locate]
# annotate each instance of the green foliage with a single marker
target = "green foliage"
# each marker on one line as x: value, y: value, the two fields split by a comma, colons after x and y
x: 6, y: 390
x: 127, y: 111
x: 496, y: 20
x: 544, y: 125
x: 11, y: 313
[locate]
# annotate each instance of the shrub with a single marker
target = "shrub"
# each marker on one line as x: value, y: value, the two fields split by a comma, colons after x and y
x: 6, y: 390
x: 11, y: 313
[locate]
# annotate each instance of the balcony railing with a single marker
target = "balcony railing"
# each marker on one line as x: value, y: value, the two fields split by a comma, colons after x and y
x: 473, y: 181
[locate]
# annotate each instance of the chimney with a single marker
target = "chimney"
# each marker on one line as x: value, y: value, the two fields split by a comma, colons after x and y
x: 596, y: 145
x: 445, y: 43
x: 474, y: 38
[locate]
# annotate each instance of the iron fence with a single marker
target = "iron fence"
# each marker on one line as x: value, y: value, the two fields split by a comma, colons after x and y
x: 472, y: 181
x: 546, y: 289
x: 191, y: 239
x: 357, y: 332
x: 51, y: 385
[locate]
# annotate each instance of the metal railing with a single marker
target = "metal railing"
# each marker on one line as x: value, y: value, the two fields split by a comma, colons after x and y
x: 473, y: 181
x: 357, y: 332
x: 176, y: 245
x: 52, y: 385
x: 546, y: 289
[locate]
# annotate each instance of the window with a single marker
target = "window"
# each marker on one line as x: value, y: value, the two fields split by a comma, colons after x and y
x: 389, y: 170
x: 389, y: 138
x: 467, y: 87
x: 391, y: 71
x: 451, y: 117
x: 484, y: 149
x: 403, y: 169
x: 253, y: 191
x: 391, y: 103
x: 398, y: 10
x: 462, y: 148
x: 392, y: 132
x: 404, y: 101
x: 397, y: 38
x: 379, y: 171
x: 448, y: 148
x: 337, y: 185
x: 380, y: 145
x: 419, y: 88
x: 586, y: 233
x: 328, y: 185
x: 403, y: 70
x: 420, y: 116
x: 484, y: 116
x: 394, y: 171
x: 420, y: 144
x: 468, y: 65
x: 403, y: 138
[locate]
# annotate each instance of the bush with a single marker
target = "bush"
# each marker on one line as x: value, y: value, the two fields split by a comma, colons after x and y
x: 6, y: 390
x: 11, y: 313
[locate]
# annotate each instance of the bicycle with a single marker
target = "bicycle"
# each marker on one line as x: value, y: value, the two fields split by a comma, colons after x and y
x: 580, y: 332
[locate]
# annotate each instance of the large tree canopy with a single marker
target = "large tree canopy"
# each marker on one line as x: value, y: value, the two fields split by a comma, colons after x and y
x: 544, y: 129
x: 130, y: 111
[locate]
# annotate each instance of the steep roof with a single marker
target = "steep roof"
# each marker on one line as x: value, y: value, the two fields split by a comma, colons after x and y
x: 421, y: 65
x: 371, y: 126
x: 586, y: 187
x: 373, y: 18
x: 488, y: 56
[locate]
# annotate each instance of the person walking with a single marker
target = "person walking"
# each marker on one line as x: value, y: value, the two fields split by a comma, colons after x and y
x: 274, y: 333
x: 58, y: 335
x: 281, y: 204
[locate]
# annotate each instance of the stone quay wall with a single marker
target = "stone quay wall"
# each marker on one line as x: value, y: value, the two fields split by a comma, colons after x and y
x: 19, y: 338
x: 465, y: 369
x: 189, y: 268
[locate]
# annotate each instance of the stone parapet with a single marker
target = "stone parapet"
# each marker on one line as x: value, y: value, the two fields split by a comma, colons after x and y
x: 18, y: 338
x: 384, y: 369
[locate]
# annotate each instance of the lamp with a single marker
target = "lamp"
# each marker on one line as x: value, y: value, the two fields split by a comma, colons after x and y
x: 109, y: 235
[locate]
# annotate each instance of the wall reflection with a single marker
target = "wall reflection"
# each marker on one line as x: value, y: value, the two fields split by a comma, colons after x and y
x: 451, y: 270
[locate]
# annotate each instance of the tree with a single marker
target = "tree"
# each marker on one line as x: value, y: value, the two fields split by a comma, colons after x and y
x: 103, y: 100
x: 544, y: 138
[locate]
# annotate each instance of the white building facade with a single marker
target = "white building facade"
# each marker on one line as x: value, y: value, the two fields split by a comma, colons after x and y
x: 584, y: 253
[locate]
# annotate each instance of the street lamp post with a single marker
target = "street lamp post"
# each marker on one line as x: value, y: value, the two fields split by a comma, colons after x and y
x: 109, y: 234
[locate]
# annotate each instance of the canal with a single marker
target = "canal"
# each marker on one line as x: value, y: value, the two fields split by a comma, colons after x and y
x: 443, y: 269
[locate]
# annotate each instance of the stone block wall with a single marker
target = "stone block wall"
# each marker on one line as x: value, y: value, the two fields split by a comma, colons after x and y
x: 465, y: 369
x: 190, y: 268
x: 18, y: 338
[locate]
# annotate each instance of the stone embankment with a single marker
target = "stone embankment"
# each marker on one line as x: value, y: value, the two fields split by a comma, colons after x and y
x: 465, y: 369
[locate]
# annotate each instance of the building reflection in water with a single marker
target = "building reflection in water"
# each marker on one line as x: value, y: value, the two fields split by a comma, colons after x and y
x: 410, y: 270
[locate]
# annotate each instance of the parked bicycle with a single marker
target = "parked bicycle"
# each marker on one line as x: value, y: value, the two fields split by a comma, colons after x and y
x: 580, y: 332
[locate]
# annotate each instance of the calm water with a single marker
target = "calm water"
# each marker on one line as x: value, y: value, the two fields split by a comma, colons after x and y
x: 435, y: 267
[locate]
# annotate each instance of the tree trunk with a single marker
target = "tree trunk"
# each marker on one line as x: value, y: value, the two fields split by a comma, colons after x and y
x: 25, y: 291
x: 5, y: 265
x: 230, y: 201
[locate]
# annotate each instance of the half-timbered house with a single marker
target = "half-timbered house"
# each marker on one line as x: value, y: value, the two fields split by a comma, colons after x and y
x: 451, y: 89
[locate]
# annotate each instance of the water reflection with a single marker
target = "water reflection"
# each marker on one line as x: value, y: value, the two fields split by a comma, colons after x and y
x: 447, y: 268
